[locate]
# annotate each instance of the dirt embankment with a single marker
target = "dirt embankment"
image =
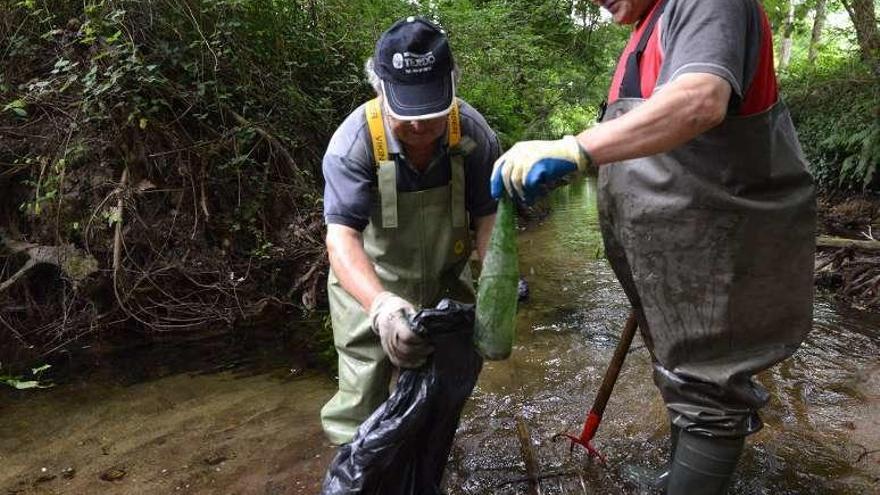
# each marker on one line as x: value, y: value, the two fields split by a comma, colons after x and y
x: 848, y: 258
x: 147, y: 187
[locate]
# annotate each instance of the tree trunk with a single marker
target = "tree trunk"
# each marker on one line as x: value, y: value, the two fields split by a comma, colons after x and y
x: 818, y: 25
x: 787, y: 32
x: 864, y: 18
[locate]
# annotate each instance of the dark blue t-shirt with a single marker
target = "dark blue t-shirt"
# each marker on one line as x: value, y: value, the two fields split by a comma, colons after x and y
x: 350, y: 170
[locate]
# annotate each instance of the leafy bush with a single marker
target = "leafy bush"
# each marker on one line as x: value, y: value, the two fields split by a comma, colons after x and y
x: 836, y: 109
x: 179, y: 143
x: 536, y: 70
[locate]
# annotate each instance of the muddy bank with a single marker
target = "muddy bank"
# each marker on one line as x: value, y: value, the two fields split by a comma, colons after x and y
x: 850, y: 270
x: 189, y: 434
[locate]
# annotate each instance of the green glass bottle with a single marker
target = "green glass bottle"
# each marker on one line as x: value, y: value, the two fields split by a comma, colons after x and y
x: 497, y: 291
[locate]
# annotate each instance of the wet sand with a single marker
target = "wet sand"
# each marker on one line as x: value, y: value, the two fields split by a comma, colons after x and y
x: 866, y: 430
x: 202, y: 434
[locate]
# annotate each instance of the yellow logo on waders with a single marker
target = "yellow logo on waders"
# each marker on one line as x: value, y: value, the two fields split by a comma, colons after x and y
x: 458, y: 248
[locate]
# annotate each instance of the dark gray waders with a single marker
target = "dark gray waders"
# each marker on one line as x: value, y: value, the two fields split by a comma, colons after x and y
x: 714, y: 245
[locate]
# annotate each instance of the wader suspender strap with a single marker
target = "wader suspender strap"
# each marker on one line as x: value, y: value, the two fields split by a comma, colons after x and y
x: 631, y: 86
x: 456, y: 164
x: 453, y: 129
x: 387, y: 172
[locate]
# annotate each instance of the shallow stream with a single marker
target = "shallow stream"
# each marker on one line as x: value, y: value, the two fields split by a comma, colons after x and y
x: 823, y: 418
x: 254, y: 428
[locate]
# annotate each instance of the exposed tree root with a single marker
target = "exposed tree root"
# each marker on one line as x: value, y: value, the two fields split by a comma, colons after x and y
x: 75, y: 264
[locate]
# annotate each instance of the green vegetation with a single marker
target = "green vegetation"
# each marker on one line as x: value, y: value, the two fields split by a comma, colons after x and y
x: 828, y: 54
x: 835, y: 108
x: 178, y: 143
x: 534, y: 69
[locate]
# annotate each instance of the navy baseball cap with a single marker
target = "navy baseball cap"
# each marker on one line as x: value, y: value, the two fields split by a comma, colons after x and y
x: 414, y: 63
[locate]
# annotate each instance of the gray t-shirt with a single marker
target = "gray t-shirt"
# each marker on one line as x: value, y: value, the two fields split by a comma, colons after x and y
x: 350, y: 170
x: 720, y: 37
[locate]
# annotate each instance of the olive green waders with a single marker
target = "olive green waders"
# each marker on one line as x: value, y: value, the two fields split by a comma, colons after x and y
x: 419, y: 243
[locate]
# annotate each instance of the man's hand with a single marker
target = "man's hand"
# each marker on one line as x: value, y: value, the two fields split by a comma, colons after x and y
x: 530, y: 167
x: 389, y: 316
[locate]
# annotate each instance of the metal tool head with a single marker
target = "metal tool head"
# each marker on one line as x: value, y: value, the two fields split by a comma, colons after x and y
x: 583, y: 442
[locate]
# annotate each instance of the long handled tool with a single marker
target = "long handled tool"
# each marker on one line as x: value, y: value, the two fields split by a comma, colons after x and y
x: 595, y: 415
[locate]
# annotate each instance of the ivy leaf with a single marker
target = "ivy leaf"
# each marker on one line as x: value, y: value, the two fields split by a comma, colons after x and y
x: 16, y: 107
x: 114, y: 216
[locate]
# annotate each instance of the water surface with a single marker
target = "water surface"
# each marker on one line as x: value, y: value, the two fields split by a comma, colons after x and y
x: 819, y: 424
x: 254, y: 429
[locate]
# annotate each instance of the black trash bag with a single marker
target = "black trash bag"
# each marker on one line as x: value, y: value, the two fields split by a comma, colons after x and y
x: 403, y: 447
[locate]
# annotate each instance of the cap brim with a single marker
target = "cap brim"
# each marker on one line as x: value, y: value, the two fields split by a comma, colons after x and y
x: 419, y: 101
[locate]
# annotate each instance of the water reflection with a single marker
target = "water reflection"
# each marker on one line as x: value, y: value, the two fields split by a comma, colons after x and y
x: 567, y: 333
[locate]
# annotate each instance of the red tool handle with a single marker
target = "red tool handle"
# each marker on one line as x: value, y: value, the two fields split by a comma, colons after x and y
x: 594, y: 418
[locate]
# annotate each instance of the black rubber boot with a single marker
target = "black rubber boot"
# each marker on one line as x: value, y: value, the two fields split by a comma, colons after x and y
x: 703, y: 465
x: 653, y: 480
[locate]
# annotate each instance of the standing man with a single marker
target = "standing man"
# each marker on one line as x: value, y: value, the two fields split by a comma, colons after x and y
x: 407, y: 179
x: 707, y: 212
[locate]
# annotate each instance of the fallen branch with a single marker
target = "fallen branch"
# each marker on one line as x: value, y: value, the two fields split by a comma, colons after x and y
x: 525, y: 445
x: 840, y: 242
x: 276, y: 144
x: 301, y: 280
x: 543, y: 476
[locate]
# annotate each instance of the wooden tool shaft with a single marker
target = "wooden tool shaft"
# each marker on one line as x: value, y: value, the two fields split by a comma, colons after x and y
x: 626, y: 338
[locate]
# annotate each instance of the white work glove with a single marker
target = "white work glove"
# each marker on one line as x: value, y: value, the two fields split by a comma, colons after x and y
x: 529, y: 168
x: 404, y: 348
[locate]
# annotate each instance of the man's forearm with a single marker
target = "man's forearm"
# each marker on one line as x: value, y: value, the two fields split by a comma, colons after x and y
x: 684, y: 109
x: 352, y: 266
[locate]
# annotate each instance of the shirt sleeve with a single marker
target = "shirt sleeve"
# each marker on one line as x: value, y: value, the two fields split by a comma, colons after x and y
x: 348, y: 181
x: 708, y: 36
x: 479, y: 166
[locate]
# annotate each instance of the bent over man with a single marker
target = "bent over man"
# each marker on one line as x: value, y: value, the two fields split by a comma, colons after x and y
x: 407, y: 178
x: 707, y: 213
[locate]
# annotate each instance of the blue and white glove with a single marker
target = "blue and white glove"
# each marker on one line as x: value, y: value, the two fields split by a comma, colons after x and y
x: 529, y: 168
